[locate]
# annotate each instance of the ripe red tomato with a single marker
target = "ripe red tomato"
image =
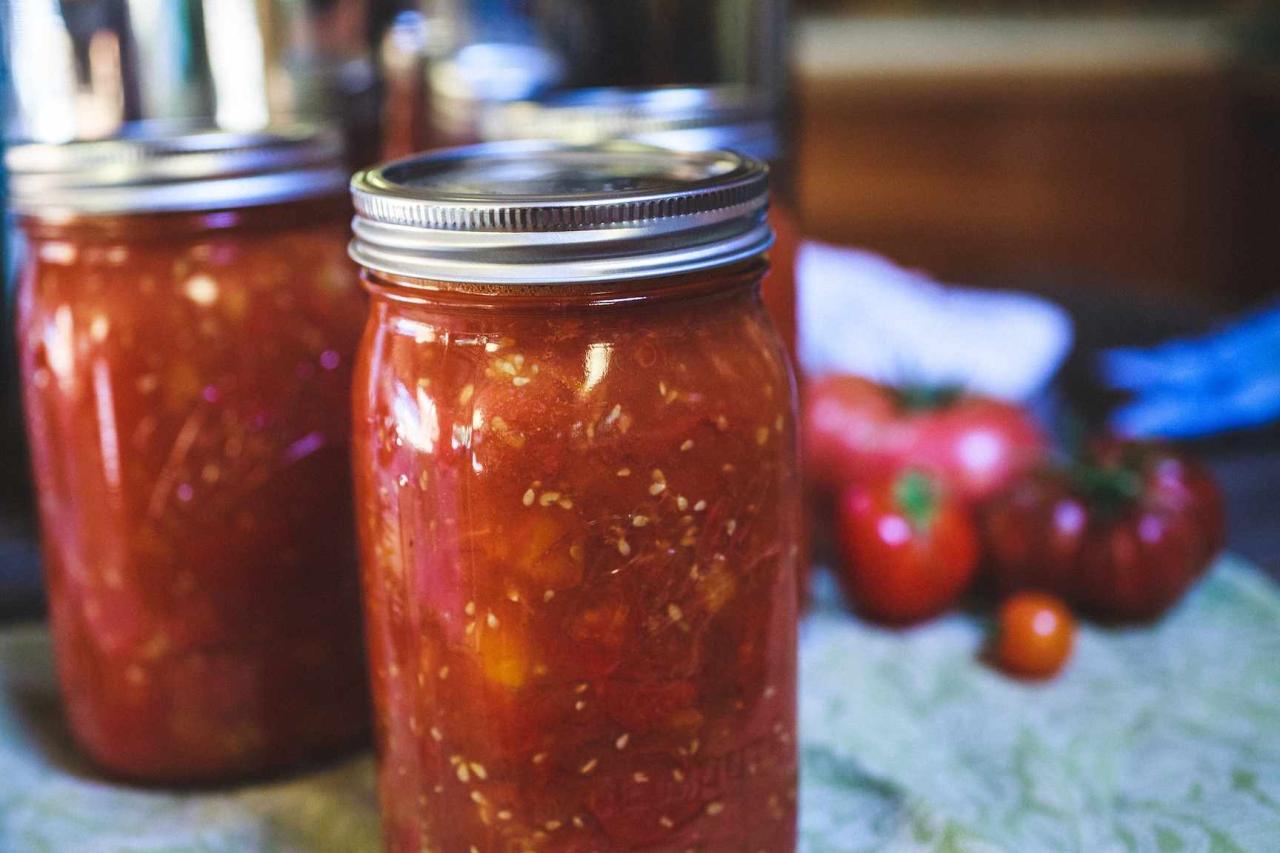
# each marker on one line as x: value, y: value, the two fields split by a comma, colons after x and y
x: 1178, y: 482
x: 909, y: 551
x: 857, y: 431
x: 1035, y: 633
x: 1121, y: 535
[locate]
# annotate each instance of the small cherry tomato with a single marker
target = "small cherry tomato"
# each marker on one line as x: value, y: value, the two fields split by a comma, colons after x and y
x: 909, y: 549
x: 1034, y: 635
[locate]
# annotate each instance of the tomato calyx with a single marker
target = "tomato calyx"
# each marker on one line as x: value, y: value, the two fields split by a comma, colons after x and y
x: 916, y: 398
x: 1109, y: 489
x: 916, y: 496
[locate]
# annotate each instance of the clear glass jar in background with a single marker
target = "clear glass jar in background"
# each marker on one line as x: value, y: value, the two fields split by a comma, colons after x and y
x: 683, y: 118
x: 186, y: 325
x: 86, y: 69
x: 578, y: 502
x: 447, y: 62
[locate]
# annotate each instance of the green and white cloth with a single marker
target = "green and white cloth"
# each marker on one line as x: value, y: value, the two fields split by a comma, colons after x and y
x: 1164, y: 738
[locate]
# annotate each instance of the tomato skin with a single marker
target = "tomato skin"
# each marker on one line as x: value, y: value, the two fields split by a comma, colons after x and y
x: 857, y: 431
x: 1126, y: 558
x: 1034, y: 536
x: 902, y: 566
x: 1177, y: 483
x: 1035, y: 634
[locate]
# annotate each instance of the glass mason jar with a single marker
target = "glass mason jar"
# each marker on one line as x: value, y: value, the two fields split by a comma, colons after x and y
x: 577, y: 501
x: 186, y: 324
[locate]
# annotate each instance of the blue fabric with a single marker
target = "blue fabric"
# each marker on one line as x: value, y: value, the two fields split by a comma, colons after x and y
x: 1228, y: 379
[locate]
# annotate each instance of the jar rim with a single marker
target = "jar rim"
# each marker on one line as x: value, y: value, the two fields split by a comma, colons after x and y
x: 165, y: 166
x: 548, y: 212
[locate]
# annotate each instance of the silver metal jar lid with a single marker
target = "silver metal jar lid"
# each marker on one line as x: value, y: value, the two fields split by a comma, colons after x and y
x: 548, y: 213
x: 155, y: 167
x: 688, y: 118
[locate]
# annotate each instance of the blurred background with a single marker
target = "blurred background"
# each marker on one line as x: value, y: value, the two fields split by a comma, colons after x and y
x: 1120, y: 160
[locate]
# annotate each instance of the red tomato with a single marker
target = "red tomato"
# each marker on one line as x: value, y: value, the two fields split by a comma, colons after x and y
x: 857, y: 431
x: 1035, y: 635
x: 1177, y: 482
x: 909, y: 551
x: 1122, y: 535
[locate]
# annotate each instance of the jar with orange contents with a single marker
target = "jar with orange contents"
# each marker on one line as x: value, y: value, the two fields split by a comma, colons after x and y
x: 186, y: 322
x: 577, y: 500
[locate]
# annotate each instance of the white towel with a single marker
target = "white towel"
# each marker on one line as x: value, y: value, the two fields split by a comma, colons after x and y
x: 863, y: 314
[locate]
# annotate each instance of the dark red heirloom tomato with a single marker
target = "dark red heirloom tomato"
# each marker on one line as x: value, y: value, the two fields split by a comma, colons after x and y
x: 1121, y: 534
x: 909, y: 550
x: 857, y: 431
x: 1179, y: 481
x: 1035, y: 633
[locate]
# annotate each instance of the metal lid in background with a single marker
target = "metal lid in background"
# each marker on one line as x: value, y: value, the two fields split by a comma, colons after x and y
x: 85, y: 69
x: 548, y: 213
x: 162, y: 167
x: 689, y: 118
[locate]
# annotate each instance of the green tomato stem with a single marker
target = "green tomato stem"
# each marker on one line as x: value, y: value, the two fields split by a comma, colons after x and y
x: 924, y: 398
x: 916, y: 495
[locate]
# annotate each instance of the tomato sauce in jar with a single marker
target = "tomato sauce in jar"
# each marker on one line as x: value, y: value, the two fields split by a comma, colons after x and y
x: 187, y: 322
x: 577, y: 501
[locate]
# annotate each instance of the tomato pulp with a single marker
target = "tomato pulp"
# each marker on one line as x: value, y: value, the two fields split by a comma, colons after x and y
x: 579, y: 511
x: 186, y: 380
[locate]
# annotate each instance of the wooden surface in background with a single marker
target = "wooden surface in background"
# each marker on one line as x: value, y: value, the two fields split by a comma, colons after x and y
x: 1156, y: 179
